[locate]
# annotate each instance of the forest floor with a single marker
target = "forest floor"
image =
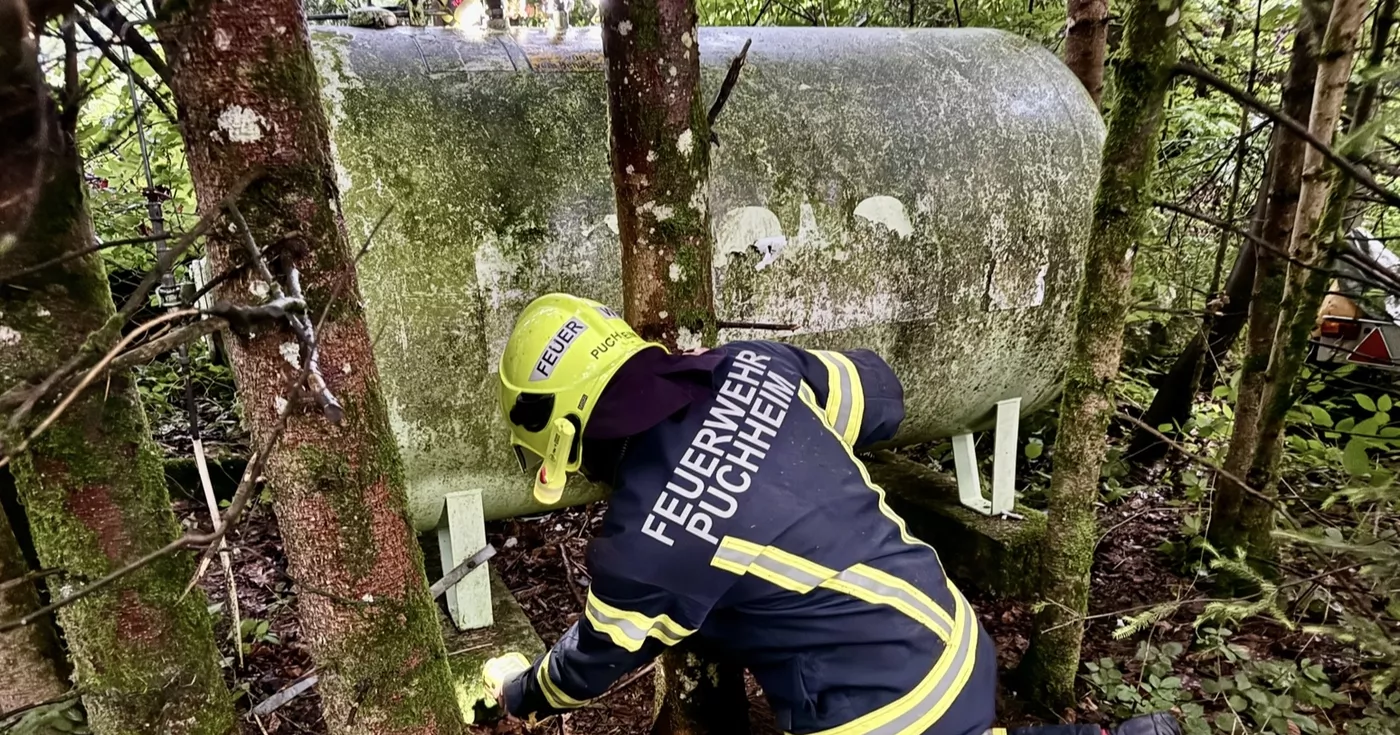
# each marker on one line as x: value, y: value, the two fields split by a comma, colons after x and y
x: 541, y: 559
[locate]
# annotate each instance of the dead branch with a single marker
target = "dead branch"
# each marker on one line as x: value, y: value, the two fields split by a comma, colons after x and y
x: 1360, y: 175
x: 730, y: 79
x: 27, y: 578
x: 27, y: 398
x: 91, y: 376
x: 300, y: 326
x: 117, y: 61
x: 107, y: 12
x: 75, y: 254
x: 1203, y: 460
x: 1390, y: 282
x: 460, y: 571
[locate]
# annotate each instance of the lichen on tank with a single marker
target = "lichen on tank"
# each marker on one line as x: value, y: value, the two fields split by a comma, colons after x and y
x: 923, y: 193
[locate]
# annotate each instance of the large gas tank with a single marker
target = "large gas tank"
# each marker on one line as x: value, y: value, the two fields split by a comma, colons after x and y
x: 923, y: 193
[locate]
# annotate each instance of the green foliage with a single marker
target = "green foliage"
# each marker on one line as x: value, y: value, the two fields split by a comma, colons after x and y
x: 61, y: 718
x: 1155, y: 688
x: 252, y: 631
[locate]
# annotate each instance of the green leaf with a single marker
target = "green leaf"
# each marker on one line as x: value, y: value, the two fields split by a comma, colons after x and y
x: 1354, y: 458
x: 1384, y: 404
x: 1034, y: 448
x: 1319, y: 415
x: 1364, y: 401
x: 1237, y: 703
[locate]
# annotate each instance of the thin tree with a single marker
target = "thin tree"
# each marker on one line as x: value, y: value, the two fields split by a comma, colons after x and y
x: 1228, y: 505
x: 1142, y: 75
x: 1248, y: 522
x: 248, y: 96
x: 92, y: 484
x: 1086, y: 43
x: 659, y: 139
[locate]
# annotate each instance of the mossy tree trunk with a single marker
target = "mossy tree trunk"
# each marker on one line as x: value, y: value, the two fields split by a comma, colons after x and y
x: 248, y: 97
x: 30, y: 657
x: 1249, y: 523
x: 1141, y: 78
x: 659, y: 138
x: 1086, y: 43
x: 1230, y: 503
x: 92, y: 485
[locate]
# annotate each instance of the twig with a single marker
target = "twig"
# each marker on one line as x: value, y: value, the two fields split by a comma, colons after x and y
x: 1367, y: 264
x: 460, y: 571
x: 75, y: 254
x: 117, y: 61
x: 630, y: 680
x: 1208, y: 462
x: 730, y: 79
x: 724, y: 324
x: 27, y: 578
x: 1299, y: 129
x: 107, y: 12
x: 274, y: 702
x: 89, y: 377
x: 569, y: 575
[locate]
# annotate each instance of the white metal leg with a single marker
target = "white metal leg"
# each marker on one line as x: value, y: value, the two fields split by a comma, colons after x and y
x: 1003, y: 464
x: 1004, y: 458
x: 969, y: 479
x: 464, y: 534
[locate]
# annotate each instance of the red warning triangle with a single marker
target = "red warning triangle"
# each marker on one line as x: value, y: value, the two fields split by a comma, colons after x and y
x: 1372, y: 350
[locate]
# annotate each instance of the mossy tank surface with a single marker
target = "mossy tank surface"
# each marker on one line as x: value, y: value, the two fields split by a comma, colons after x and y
x: 923, y: 193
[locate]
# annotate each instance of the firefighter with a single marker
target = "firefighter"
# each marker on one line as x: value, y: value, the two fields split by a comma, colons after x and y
x: 741, y: 516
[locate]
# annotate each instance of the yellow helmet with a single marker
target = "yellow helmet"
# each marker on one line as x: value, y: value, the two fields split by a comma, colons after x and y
x: 561, y: 354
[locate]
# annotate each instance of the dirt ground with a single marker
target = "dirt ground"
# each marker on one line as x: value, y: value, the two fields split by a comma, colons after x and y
x: 541, y: 560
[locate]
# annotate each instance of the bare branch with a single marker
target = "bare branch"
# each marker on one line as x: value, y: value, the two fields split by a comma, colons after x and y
x: 117, y: 61
x: 1299, y: 129
x: 107, y: 12
x: 730, y: 79
x: 91, y: 376
x: 75, y: 254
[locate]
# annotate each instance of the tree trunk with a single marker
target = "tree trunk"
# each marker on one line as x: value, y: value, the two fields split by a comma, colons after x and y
x: 1142, y: 76
x: 659, y: 140
x: 1231, y: 504
x: 1313, y: 232
x: 248, y: 95
x: 30, y: 657
x: 1197, y: 365
x: 1086, y: 43
x: 93, y: 484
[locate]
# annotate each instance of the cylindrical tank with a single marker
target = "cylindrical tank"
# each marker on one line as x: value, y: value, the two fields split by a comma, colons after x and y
x: 923, y: 193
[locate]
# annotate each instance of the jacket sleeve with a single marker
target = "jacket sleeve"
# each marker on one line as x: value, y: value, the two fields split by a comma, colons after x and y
x: 862, y: 399
x: 625, y: 625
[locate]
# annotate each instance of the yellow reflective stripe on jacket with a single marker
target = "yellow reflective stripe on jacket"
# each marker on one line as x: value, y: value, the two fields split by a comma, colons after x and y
x: 795, y: 574
x: 628, y: 629
x: 552, y: 693
x: 845, y: 401
x: 915, y: 712
x: 865, y: 476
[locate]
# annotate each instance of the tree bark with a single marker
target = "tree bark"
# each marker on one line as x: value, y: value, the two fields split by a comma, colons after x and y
x: 93, y: 484
x: 248, y: 97
x: 1231, y: 504
x: 660, y: 145
x: 1315, y: 227
x: 1086, y: 43
x: 659, y: 139
x: 30, y: 657
x: 1141, y: 78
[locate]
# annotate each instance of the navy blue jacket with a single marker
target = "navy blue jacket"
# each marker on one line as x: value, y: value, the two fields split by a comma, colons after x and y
x: 747, y: 520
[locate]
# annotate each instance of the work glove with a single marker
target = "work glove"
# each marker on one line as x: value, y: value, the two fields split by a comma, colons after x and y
x: 1157, y: 723
x: 497, y: 671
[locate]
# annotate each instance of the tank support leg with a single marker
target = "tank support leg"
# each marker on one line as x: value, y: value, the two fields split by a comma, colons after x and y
x: 462, y: 534
x: 1003, y: 464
